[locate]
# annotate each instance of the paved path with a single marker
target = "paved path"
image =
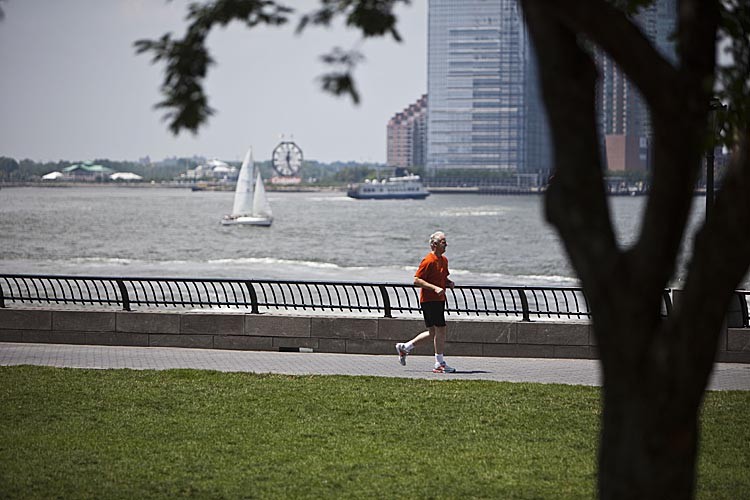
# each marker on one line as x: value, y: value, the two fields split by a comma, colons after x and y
x: 727, y: 376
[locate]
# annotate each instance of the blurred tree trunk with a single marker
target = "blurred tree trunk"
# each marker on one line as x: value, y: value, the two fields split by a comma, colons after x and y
x: 655, y: 370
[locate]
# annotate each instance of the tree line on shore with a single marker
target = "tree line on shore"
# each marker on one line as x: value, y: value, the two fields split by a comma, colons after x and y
x: 312, y: 172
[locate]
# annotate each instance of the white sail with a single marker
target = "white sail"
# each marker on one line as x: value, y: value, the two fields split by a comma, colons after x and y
x: 261, y: 207
x: 243, y: 193
x: 251, y: 207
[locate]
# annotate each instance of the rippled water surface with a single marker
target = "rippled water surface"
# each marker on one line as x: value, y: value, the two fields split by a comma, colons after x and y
x: 175, y: 232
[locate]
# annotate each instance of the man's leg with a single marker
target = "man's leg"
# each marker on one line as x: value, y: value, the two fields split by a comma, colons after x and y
x: 430, y: 332
x: 439, y: 339
x: 404, y: 350
x: 440, y: 364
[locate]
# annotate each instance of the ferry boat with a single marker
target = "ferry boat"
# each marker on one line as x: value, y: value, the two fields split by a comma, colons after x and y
x: 393, y: 188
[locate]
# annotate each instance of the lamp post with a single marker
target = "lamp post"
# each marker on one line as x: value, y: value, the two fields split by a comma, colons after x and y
x: 714, y: 106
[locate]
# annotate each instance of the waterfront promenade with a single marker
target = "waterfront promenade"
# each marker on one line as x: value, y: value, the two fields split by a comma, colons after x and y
x: 726, y: 376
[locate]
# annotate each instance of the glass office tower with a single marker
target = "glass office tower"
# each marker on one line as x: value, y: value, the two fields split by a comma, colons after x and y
x: 484, y: 111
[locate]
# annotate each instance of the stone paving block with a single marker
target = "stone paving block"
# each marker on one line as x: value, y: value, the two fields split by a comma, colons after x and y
x: 312, y: 343
x: 80, y: 321
x: 738, y: 339
x: 594, y: 352
x: 68, y: 337
x: 723, y: 340
x: 399, y: 329
x: 206, y: 324
x: 370, y: 347
x: 277, y: 326
x: 733, y: 356
x: 13, y: 319
x: 182, y: 340
x: 592, y: 336
x: 12, y: 335
x: 462, y: 349
x: 332, y: 345
x: 55, y: 337
x: 535, y: 351
x: 243, y: 343
x: 344, y: 328
x: 553, y: 333
x: 573, y: 352
x: 482, y: 331
x: 140, y: 322
x: 116, y: 338
x: 500, y: 350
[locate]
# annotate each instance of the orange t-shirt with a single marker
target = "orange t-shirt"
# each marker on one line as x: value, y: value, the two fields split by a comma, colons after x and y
x: 433, y: 270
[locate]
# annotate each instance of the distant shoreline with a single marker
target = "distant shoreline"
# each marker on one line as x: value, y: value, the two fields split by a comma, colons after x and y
x: 483, y: 190
x: 171, y: 185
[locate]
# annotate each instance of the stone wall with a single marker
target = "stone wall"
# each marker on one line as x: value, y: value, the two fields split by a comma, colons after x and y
x: 335, y: 334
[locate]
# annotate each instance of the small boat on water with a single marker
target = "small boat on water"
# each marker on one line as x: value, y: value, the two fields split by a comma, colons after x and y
x: 404, y: 187
x: 251, y: 207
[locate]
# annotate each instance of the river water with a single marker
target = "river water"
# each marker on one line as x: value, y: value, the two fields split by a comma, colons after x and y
x: 169, y: 232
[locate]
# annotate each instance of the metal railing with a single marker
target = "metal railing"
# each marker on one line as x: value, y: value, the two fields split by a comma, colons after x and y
x: 257, y: 296
x: 742, y: 318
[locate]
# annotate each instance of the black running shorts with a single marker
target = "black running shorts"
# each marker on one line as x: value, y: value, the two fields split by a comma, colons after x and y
x: 434, y: 313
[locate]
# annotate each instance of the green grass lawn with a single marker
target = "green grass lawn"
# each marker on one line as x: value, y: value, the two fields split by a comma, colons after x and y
x: 69, y: 433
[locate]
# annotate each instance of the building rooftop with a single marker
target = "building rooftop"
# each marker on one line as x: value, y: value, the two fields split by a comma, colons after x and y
x: 88, y: 167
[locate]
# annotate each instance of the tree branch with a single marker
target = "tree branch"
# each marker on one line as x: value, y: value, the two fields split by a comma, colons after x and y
x: 625, y: 44
x: 373, y: 17
x: 187, y: 59
x: 696, y: 45
x: 721, y: 258
x: 575, y: 202
x: 679, y: 133
x: 678, y: 116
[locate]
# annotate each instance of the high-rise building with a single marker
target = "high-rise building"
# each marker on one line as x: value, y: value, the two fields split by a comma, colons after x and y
x: 485, y: 111
x: 407, y: 136
x: 624, y: 122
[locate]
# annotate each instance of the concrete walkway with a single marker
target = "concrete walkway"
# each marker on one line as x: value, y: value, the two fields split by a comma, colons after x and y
x: 726, y: 376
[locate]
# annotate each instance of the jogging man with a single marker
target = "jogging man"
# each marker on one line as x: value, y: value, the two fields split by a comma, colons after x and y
x: 432, y: 279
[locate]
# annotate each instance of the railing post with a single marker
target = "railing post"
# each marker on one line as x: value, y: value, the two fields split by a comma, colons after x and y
x: 253, y: 298
x: 124, y: 294
x: 524, y: 304
x: 667, y: 301
x: 2, y: 298
x: 386, y: 301
x: 737, y: 316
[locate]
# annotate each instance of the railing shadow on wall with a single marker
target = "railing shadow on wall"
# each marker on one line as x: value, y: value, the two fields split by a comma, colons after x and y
x: 257, y: 296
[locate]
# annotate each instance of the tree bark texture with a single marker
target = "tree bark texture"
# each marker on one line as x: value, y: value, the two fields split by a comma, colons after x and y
x: 655, y: 369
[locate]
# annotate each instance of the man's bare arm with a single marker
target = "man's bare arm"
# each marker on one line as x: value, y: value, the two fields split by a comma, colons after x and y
x: 429, y: 286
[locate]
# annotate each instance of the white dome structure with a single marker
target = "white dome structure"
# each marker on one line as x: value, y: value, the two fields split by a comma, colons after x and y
x: 125, y: 176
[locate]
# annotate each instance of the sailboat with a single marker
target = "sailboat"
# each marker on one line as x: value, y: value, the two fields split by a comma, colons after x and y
x: 251, y: 206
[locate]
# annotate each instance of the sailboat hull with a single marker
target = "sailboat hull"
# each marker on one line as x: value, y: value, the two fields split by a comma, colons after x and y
x: 246, y: 220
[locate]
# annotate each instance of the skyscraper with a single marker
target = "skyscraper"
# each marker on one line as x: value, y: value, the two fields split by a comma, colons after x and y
x: 484, y: 111
x: 406, y: 136
x: 624, y: 122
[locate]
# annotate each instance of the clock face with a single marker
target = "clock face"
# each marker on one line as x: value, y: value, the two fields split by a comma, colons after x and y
x: 287, y: 159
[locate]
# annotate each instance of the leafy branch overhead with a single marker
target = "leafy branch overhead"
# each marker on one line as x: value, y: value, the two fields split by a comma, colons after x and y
x: 734, y: 79
x: 187, y: 59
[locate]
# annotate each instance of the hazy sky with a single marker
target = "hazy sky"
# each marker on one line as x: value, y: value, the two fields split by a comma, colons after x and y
x: 72, y: 87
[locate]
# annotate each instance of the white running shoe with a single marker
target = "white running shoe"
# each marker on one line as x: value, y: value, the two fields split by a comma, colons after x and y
x: 443, y: 368
x: 402, y: 353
